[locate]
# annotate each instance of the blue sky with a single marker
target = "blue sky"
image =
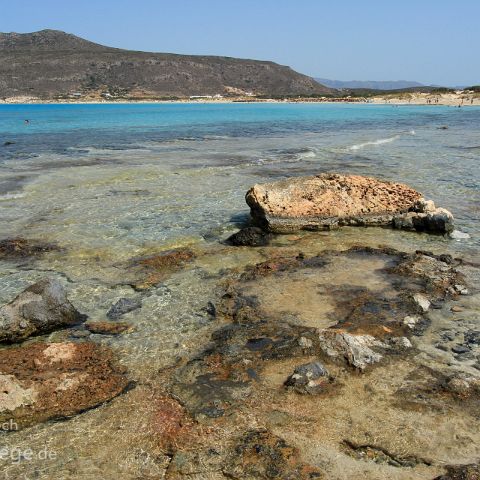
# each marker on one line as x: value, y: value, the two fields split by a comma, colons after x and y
x: 431, y: 41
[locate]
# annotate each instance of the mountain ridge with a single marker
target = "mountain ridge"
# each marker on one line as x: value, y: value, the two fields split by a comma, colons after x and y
x: 369, y: 84
x: 52, y: 63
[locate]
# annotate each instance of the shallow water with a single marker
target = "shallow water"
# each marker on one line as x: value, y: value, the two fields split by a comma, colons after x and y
x: 109, y: 183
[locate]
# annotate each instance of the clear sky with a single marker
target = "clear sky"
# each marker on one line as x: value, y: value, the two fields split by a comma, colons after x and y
x: 430, y: 41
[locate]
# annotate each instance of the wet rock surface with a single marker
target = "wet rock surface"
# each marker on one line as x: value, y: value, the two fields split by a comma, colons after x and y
x: 328, y: 200
x: 425, y: 217
x: 42, y: 381
x: 40, y: 308
x: 249, y: 237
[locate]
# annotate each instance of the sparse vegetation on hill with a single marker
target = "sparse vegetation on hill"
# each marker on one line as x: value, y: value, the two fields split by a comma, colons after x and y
x: 52, y: 64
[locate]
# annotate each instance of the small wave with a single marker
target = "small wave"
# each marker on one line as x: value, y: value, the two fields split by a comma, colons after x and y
x: 458, y: 235
x: 11, y: 196
x: 465, y: 147
x: 380, y: 141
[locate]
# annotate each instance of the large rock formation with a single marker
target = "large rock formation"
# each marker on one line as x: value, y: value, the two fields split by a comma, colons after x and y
x: 327, y: 201
x: 40, y: 308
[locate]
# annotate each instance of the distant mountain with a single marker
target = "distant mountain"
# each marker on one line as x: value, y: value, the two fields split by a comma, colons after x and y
x: 370, y: 84
x: 50, y: 63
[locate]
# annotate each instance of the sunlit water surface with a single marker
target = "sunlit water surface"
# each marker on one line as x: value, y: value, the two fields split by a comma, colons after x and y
x: 109, y: 183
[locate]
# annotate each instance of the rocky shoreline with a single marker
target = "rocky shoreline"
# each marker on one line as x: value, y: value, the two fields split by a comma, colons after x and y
x: 357, y: 362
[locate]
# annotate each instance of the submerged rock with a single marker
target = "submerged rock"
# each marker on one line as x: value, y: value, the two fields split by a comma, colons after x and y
x: 108, y: 328
x: 355, y: 349
x: 249, y: 237
x: 150, y: 271
x: 308, y: 378
x: 41, y: 308
x: 422, y: 301
x: 123, y: 306
x: 15, y: 248
x: 260, y: 454
x: 328, y: 201
x: 41, y: 381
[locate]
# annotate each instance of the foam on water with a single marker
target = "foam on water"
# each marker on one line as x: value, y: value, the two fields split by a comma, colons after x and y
x: 379, y: 141
x: 11, y: 196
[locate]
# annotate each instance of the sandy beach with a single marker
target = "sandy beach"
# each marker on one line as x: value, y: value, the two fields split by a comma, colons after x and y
x: 451, y: 99
x: 462, y: 99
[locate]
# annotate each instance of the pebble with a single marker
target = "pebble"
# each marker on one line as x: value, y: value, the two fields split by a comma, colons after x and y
x: 460, y: 349
x: 463, y: 357
x: 304, y: 376
x: 305, y: 342
x: 456, y: 309
x: 422, y: 301
x: 472, y: 337
x: 411, y: 321
x: 448, y: 336
x: 461, y: 289
x: 123, y: 306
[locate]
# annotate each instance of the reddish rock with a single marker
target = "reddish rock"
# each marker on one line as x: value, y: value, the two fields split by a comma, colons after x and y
x: 41, y: 381
x: 171, y: 423
x: 330, y: 200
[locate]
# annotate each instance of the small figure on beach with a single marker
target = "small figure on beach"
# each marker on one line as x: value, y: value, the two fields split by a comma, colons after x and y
x: 26, y: 121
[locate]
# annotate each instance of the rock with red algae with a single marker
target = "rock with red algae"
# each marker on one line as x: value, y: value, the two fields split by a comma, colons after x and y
x: 43, y: 381
x: 327, y: 200
x: 21, y: 248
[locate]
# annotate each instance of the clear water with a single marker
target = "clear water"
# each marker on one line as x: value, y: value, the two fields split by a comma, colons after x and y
x: 111, y: 182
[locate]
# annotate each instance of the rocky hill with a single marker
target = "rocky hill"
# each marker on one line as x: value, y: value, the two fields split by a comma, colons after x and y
x: 53, y: 64
x: 369, y: 84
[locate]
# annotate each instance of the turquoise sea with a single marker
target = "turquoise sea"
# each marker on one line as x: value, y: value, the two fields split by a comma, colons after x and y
x: 186, y: 167
x: 112, y: 183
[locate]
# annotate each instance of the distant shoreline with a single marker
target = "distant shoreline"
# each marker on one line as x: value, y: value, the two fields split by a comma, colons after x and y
x: 449, y: 99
